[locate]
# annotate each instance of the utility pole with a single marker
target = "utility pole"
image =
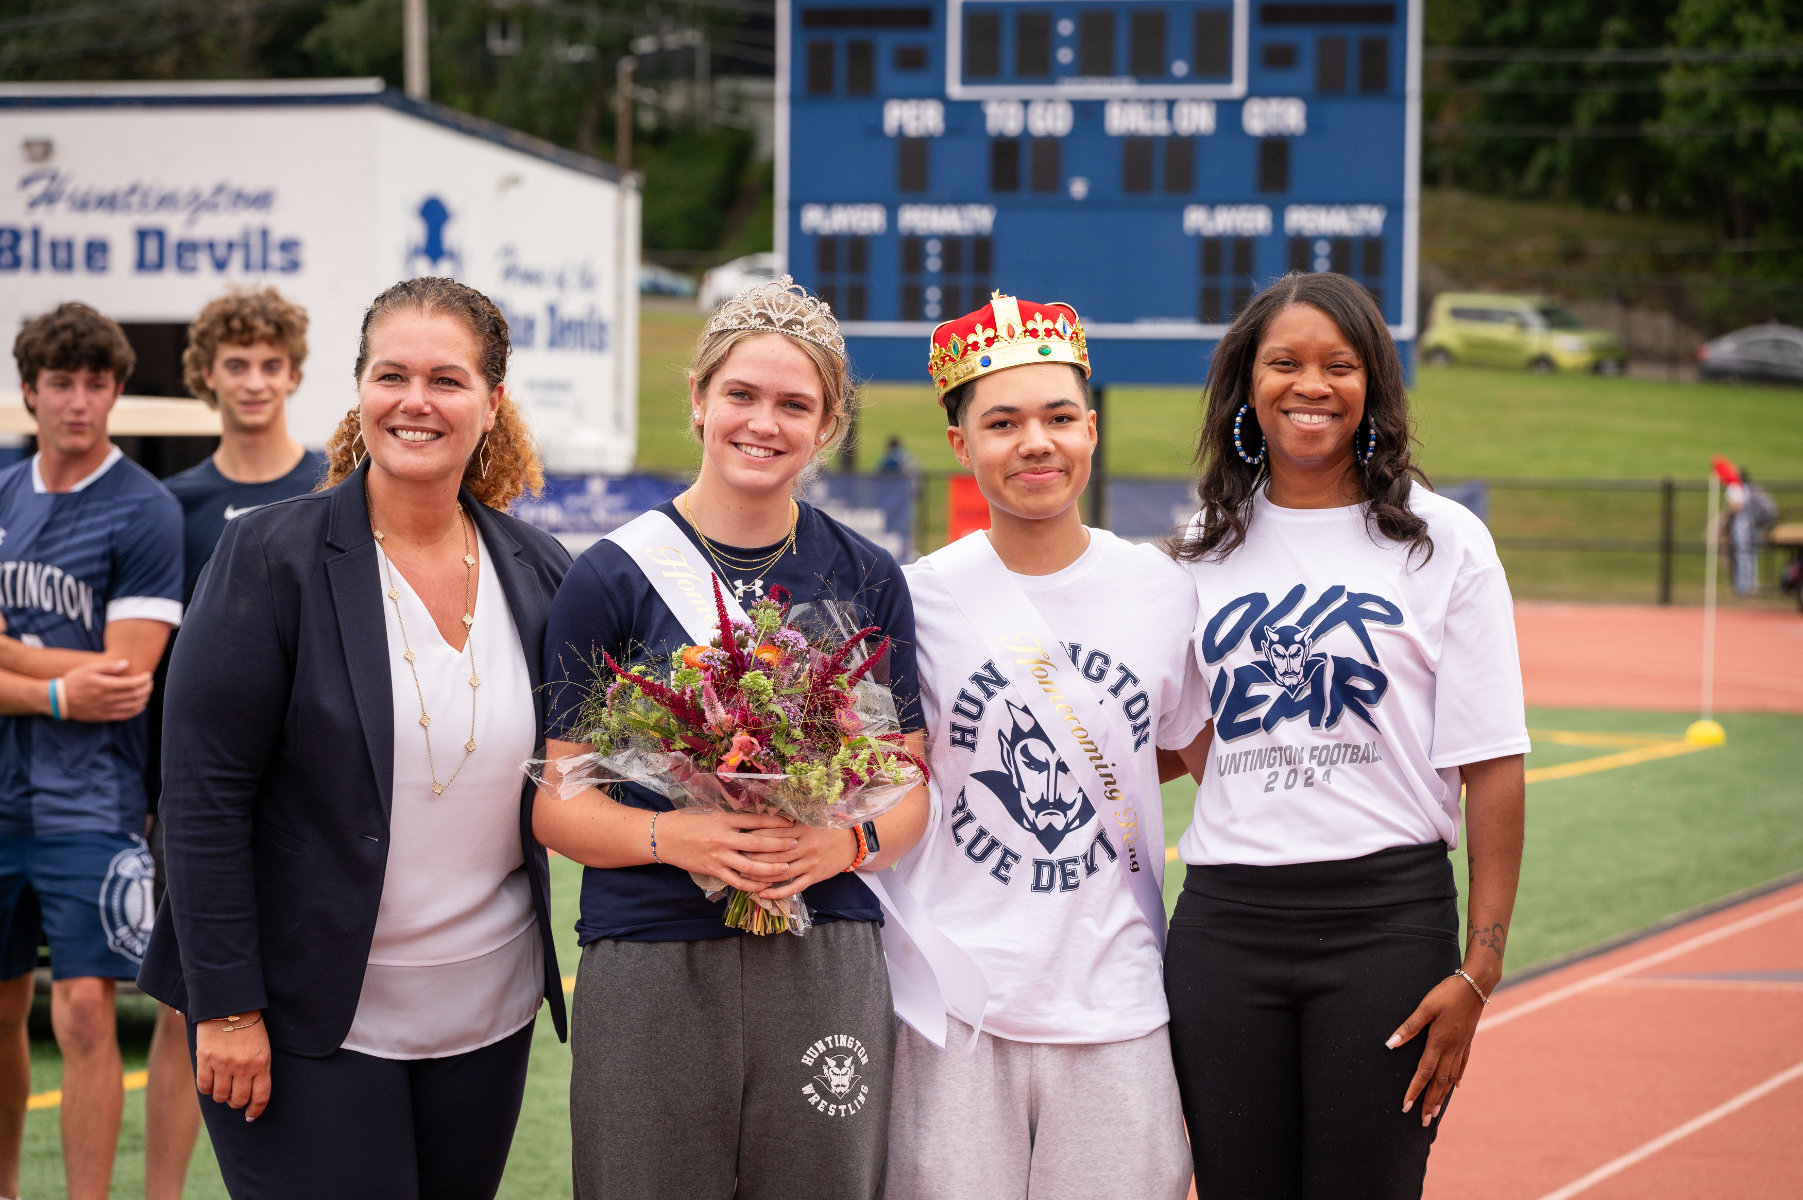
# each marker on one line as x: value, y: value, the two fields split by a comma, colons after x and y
x: 414, y: 73
x: 623, y: 114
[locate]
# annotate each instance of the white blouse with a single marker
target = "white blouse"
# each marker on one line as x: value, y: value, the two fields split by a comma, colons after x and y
x: 456, y: 963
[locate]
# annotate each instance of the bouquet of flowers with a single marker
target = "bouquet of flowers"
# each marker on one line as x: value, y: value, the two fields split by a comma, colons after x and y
x: 765, y: 719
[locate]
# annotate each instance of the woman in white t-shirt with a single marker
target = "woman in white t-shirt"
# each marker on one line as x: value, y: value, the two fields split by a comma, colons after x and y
x: 1355, y: 632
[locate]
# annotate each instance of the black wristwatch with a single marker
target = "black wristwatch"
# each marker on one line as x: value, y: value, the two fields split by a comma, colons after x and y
x: 871, y: 845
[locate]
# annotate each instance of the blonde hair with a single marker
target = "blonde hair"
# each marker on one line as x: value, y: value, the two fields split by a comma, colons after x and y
x: 505, y: 464
x: 242, y: 318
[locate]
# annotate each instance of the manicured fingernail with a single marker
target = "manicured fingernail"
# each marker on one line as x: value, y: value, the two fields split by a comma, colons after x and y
x: 1395, y: 1041
x: 1407, y: 1104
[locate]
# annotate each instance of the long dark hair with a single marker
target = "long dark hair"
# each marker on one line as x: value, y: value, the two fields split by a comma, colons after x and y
x: 1228, y: 482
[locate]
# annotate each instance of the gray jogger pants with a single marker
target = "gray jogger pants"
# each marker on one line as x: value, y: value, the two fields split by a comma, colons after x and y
x: 749, y: 1067
x: 1036, y: 1121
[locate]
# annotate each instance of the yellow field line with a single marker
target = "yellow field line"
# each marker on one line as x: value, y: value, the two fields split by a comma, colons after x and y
x: 1565, y: 737
x: 134, y: 1081
x: 1609, y: 762
x: 1643, y: 748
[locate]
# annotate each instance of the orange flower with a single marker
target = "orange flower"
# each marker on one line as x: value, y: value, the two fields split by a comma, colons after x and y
x: 769, y: 655
x: 691, y: 656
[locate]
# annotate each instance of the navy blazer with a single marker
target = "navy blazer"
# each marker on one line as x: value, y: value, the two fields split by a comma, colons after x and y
x: 278, y: 764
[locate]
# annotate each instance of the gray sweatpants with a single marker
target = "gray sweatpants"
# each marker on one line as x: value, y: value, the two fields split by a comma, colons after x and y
x: 1025, y: 1119
x: 748, y: 1067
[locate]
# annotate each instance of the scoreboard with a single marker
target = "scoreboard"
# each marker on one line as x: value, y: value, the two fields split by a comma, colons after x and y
x: 1153, y: 163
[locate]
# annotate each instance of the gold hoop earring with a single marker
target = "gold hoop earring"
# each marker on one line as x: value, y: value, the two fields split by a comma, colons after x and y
x: 482, y: 457
x: 357, y: 440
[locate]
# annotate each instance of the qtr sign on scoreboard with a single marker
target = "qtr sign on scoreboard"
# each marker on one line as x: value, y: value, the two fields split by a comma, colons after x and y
x: 1152, y: 162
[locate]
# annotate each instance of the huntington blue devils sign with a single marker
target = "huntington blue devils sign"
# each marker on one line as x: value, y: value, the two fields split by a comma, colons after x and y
x: 1152, y: 162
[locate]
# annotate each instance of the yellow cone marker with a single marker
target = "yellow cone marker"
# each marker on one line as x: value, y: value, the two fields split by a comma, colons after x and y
x: 1706, y: 733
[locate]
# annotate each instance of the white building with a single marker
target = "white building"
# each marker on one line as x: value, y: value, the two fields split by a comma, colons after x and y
x: 146, y: 200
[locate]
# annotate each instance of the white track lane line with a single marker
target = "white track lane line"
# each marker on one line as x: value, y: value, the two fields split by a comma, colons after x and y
x: 1628, y: 968
x: 1689, y: 1127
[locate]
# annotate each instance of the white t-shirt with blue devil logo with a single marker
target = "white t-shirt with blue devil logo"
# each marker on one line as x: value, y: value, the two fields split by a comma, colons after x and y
x: 1017, y: 866
x: 1349, y: 683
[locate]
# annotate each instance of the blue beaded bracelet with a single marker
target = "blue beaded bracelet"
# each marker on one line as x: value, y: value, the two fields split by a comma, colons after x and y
x: 654, y: 857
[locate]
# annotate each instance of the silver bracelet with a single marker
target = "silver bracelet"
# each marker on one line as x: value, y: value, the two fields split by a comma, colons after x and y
x: 1460, y: 972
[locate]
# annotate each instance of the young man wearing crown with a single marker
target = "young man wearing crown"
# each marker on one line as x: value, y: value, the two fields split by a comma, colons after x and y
x: 1053, y: 665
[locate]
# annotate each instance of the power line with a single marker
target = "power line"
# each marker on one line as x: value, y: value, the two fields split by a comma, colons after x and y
x: 1629, y: 87
x: 134, y: 40
x: 93, y: 12
x: 1663, y: 54
x: 1604, y: 247
x: 1478, y: 130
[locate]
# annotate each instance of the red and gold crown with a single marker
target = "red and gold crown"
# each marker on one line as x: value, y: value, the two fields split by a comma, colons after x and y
x: 1006, y: 332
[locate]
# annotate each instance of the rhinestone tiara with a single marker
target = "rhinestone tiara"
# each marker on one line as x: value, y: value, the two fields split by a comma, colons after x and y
x: 780, y: 306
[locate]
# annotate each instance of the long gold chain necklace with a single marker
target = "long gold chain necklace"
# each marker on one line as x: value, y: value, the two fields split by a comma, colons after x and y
x: 745, y: 566
x: 469, y: 643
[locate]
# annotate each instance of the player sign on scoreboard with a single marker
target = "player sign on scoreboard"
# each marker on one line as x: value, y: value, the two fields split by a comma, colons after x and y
x: 1152, y: 162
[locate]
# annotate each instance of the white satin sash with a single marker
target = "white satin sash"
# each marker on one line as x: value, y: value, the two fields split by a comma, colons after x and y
x: 1094, y: 740
x: 926, y: 968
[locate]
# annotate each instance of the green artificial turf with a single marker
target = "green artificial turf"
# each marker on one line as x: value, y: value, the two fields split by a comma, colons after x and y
x: 1606, y: 853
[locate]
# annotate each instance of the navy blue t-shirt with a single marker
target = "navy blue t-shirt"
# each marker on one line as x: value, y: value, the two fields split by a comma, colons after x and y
x: 70, y: 562
x: 209, y: 500
x: 607, y: 603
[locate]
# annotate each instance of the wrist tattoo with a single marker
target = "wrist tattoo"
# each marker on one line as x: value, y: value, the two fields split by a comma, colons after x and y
x: 1491, y: 937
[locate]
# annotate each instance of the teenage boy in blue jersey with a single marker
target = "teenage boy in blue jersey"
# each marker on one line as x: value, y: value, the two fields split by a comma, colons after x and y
x: 90, y: 589
x: 244, y: 358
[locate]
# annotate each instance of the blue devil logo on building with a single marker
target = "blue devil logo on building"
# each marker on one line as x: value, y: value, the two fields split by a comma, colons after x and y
x: 1290, y: 680
x: 433, y: 252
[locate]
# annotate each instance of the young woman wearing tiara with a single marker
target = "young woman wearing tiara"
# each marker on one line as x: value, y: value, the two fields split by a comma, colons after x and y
x: 708, y: 1062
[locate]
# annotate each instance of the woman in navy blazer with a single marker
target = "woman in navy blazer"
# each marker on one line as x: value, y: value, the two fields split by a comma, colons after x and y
x: 356, y: 923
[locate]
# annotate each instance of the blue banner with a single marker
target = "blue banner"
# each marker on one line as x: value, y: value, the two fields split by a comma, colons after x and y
x: 881, y: 507
x: 1143, y: 510
x: 1472, y: 493
x: 582, y: 509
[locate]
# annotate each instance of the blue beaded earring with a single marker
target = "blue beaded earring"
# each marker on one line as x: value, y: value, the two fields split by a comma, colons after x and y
x: 1370, y: 443
x: 1238, y: 446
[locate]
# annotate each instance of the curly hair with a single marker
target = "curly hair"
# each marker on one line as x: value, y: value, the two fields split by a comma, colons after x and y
x: 1228, y: 483
x: 242, y: 317
x: 836, y: 390
x: 505, y: 464
x: 73, y: 337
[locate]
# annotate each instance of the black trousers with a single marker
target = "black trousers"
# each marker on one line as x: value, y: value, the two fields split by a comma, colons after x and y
x: 355, y: 1127
x: 1284, y: 983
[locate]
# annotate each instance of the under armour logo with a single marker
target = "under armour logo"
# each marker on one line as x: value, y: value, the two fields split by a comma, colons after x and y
x: 755, y: 587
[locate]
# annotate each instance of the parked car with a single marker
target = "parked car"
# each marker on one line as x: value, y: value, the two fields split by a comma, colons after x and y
x: 1770, y: 351
x: 731, y: 278
x: 1516, y: 331
x: 656, y: 280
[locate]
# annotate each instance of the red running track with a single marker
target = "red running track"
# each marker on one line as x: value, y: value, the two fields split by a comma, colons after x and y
x: 1641, y: 657
x: 1667, y: 1068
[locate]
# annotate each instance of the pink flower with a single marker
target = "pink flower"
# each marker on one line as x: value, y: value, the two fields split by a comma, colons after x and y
x: 849, y: 721
x: 744, y: 746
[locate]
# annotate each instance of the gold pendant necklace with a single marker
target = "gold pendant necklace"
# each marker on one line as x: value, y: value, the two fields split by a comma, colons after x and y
x: 469, y: 643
